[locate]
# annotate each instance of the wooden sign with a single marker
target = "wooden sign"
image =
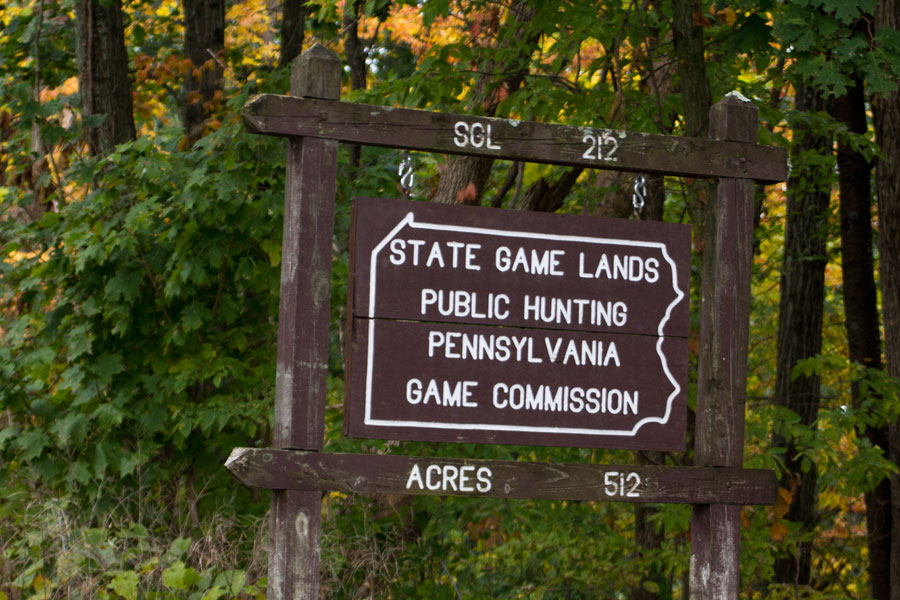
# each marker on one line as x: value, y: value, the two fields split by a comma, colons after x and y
x: 494, y: 326
x: 435, y: 476
x: 481, y: 325
x: 510, y: 139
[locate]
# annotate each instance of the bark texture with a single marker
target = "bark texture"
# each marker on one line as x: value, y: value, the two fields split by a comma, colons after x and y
x: 696, y: 96
x: 861, y: 315
x: 886, y: 111
x: 356, y: 60
x: 103, y: 80
x: 464, y: 179
x: 800, y: 324
x: 293, y: 20
x: 204, y: 42
x: 692, y: 81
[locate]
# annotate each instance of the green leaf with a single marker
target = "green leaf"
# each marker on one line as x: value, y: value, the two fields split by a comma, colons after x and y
x: 79, y: 472
x: 31, y: 444
x: 753, y: 35
x: 106, y: 366
x: 180, y: 577
x: 7, y: 434
x: 194, y: 316
x: 124, y: 285
x: 108, y: 415
x: 272, y: 250
x: 70, y: 429
x: 214, y: 593
x: 124, y: 584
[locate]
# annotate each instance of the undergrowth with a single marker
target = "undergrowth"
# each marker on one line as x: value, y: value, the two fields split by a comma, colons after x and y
x: 148, y: 544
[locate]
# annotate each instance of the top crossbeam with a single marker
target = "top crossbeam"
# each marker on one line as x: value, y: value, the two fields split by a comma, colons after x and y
x: 587, y: 147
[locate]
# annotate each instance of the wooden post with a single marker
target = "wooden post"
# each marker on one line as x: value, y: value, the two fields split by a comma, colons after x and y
x: 722, y: 372
x: 303, y: 319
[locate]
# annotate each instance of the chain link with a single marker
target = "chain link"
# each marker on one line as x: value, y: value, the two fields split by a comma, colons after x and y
x: 640, y: 195
x: 407, y: 177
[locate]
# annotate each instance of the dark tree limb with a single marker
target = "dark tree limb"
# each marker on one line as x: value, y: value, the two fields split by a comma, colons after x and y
x: 549, y: 197
x: 512, y: 175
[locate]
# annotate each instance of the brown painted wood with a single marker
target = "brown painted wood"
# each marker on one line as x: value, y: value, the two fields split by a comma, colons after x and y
x: 409, y: 259
x: 419, y: 383
x: 722, y: 371
x: 484, y: 251
x: 393, y: 474
x: 304, y: 314
x: 514, y: 140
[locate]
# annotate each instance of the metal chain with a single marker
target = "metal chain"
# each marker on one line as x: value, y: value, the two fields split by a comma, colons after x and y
x: 407, y: 177
x: 640, y: 195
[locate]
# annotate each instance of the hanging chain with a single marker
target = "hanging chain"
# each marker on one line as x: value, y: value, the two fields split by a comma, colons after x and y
x: 640, y: 195
x: 407, y: 177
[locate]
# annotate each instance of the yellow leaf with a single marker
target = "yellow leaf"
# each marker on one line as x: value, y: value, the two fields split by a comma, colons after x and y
x: 730, y: 16
x: 783, y: 502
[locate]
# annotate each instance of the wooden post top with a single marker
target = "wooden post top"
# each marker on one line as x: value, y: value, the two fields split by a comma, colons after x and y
x: 316, y: 74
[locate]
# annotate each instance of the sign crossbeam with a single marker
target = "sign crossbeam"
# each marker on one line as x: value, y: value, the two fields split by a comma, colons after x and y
x: 590, y: 147
x: 431, y: 476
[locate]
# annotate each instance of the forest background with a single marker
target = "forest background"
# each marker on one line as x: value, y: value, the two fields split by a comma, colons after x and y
x: 141, y: 239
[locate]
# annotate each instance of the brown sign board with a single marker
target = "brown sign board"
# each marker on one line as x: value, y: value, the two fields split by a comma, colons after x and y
x: 482, y: 325
x: 436, y: 476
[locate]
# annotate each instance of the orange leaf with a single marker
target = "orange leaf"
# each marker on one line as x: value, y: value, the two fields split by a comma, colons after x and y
x: 700, y: 19
x: 778, y: 531
x: 468, y: 194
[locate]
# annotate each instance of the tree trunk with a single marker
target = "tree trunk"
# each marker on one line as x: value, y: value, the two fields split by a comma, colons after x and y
x: 886, y: 111
x: 800, y: 324
x: 293, y: 20
x: 103, y: 74
x: 356, y: 61
x: 695, y: 93
x: 204, y: 41
x: 861, y: 315
x: 464, y: 180
x: 692, y: 81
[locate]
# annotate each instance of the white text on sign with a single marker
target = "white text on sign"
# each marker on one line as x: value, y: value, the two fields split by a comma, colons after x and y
x: 601, y: 146
x: 476, y: 135
x: 620, y: 484
x: 450, y: 478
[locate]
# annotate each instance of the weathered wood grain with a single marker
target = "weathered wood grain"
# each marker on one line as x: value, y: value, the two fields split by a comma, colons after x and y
x: 513, y: 140
x: 303, y: 318
x: 304, y: 311
x: 722, y: 364
x: 372, y: 474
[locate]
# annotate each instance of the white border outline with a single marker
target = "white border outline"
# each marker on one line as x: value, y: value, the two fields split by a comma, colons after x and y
x: 409, y: 220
